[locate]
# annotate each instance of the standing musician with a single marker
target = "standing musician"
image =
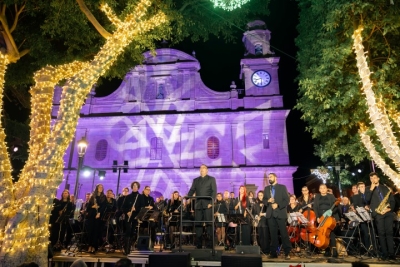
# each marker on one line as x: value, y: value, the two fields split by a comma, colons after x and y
x: 131, y: 208
x: 243, y: 203
x: 276, y: 198
x: 354, y: 192
x: 110, y: 207
x: 322, y: 204
x: 232, y: 203
x: 149, y: 203
x: 362, y: 200
x: 62, y: 209
x: 94, y: 209
x: 264, y: 238
x: 174, y: 204
x: 382, y: 199
x: 220, y: 208
x: 204, y: 185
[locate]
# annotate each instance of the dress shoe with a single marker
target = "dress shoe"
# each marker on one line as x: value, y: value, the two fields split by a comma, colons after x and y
x: 272, y: 256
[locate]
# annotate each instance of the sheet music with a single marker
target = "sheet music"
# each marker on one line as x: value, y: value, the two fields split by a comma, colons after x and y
x: 364, y: 214
x: 301, y: 217
x: 352, y: 216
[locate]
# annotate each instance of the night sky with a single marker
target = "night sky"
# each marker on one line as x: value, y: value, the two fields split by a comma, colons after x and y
x: 220, y: 65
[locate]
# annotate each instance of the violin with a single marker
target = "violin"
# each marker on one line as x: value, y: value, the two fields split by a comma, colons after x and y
x: 327, y: 224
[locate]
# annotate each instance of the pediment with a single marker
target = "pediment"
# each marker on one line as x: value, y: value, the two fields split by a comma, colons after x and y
x: 167, y: 55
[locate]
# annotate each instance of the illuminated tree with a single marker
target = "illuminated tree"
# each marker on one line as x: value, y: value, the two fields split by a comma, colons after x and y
x: 26, y: 204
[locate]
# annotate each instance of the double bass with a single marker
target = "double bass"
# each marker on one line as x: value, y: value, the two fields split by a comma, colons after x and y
x: 322, y: 233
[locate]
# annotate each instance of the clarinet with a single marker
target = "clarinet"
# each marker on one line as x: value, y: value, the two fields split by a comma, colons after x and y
x: 133, y: 207
x: 97, y: 208
x: 60, y: 217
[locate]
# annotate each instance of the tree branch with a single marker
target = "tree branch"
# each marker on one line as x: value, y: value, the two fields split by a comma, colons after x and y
x: 103, y: 32
x: 17, y: 13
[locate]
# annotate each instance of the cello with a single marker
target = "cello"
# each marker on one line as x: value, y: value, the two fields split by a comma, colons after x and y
x: 310, y: 228
x: 323, y: 231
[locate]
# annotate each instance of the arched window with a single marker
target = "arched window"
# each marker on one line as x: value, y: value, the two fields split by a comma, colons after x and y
x: 213, y: 147
x: 156, y: 148
x: 101, y: 150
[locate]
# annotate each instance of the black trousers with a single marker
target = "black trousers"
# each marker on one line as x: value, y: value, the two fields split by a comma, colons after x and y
x: 279, y: 225
x: 203, y: 215
x: 384, y: 224
x: 264, y: 238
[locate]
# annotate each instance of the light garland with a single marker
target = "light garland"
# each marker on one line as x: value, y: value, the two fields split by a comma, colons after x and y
x: 377, y: 114
x: 321, y: 173
x: 229, y: 5
x: 43, y: 172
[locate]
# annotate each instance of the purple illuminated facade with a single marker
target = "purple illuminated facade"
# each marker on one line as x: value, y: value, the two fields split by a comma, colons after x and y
x: 164, y: 123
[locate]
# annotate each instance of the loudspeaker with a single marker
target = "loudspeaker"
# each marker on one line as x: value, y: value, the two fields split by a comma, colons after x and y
x: 235, y: 260
x: 143, y: 243
x: 248, y: 250
x: 181, y: 259
x: 202, y: 254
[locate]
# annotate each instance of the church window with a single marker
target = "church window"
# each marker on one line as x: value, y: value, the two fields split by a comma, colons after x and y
x: 213, y: 147
x: 155, y: 148
x: 258, y: 49
x: 160, y: 92
x: 265, y: 141
x: 101, y: 150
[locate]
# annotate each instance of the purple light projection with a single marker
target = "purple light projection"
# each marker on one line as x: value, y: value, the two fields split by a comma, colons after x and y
x: 161, y: 119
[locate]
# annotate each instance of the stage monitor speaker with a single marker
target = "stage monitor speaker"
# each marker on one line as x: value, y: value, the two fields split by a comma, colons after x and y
x: 143, y: 243
x: 181, y: 259
x: 248, y: 250
x: 235, y: 260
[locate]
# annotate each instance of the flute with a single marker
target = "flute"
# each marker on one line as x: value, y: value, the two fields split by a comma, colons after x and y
x: 133, y: 207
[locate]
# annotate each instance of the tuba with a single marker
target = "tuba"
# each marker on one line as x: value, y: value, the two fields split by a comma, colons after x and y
x: 384, y: 204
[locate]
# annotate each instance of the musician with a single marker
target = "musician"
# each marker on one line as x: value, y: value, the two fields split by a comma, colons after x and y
x: 264, y: 238
x: 62, y: 210
x: 173, y: 208
x: 343, y: 208
x: 220, y: 208
x: 354, y: 191
x: 306, y: 199
x: 232, y: 203
x: 95, y: 209
x: 293, y: 205
x: 108, y: 215
x: 276, y: 199
x: 149, y: 203
x: 322, y: 207
x: 251, y: 199
x: 361, y: 200
x: 131, y: 208
x: 120, y: 203
x: 204, y: 185
x: 384, y: 221
x: 242, y: 207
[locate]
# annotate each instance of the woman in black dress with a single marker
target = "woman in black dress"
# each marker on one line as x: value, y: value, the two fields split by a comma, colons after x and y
x: 94, y: 209
x: 241, y: 208
x: 220, y: 210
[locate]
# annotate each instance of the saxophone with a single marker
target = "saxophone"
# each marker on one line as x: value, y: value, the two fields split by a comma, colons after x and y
x: 384, y: 204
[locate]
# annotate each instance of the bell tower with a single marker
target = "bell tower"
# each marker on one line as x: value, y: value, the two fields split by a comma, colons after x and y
x: 259, y: 68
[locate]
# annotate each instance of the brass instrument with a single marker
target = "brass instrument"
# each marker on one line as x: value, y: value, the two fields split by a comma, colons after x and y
x: 384, y: 204
x: 133, y: 207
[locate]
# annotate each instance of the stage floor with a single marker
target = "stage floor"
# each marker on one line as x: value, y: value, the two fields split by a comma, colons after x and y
x: 141, y: 258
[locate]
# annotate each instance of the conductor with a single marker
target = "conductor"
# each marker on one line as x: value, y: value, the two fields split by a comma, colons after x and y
x: 203, y: 186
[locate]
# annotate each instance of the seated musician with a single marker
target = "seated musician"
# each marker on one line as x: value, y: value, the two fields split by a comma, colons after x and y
x: 343, y: 208
x: 220, y: 208
x: 173, y: 207
x: 361, y: 200
x: 259, y: 210
x: 322, y: 208
x: 306, y: 199
x: 293, y: 205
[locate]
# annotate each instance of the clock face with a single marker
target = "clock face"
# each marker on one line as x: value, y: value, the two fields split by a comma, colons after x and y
x: 261, y: 78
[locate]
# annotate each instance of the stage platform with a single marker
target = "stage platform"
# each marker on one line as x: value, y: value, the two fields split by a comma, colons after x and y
x: 205, y: 258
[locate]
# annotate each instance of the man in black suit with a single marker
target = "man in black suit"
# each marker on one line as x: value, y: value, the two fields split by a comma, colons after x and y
x: 203, y: 186
x: 384, y: 220
x: 276, y: 198
x: 361, y: 200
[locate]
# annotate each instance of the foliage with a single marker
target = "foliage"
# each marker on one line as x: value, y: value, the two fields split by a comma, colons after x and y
x: 329, y: 86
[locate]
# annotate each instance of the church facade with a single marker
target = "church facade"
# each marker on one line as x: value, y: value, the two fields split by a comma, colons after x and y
x: 162, y: 123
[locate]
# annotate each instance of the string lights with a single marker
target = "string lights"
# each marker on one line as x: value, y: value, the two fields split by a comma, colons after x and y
x: 229, y: 5
x: 27, y: 228
x: 321, y: 173
x: 377, y: 115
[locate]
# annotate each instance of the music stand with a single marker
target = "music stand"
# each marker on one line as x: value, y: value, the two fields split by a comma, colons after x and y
x: 366, y: 216
x: 107, y: 217
x: 239, y: 219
